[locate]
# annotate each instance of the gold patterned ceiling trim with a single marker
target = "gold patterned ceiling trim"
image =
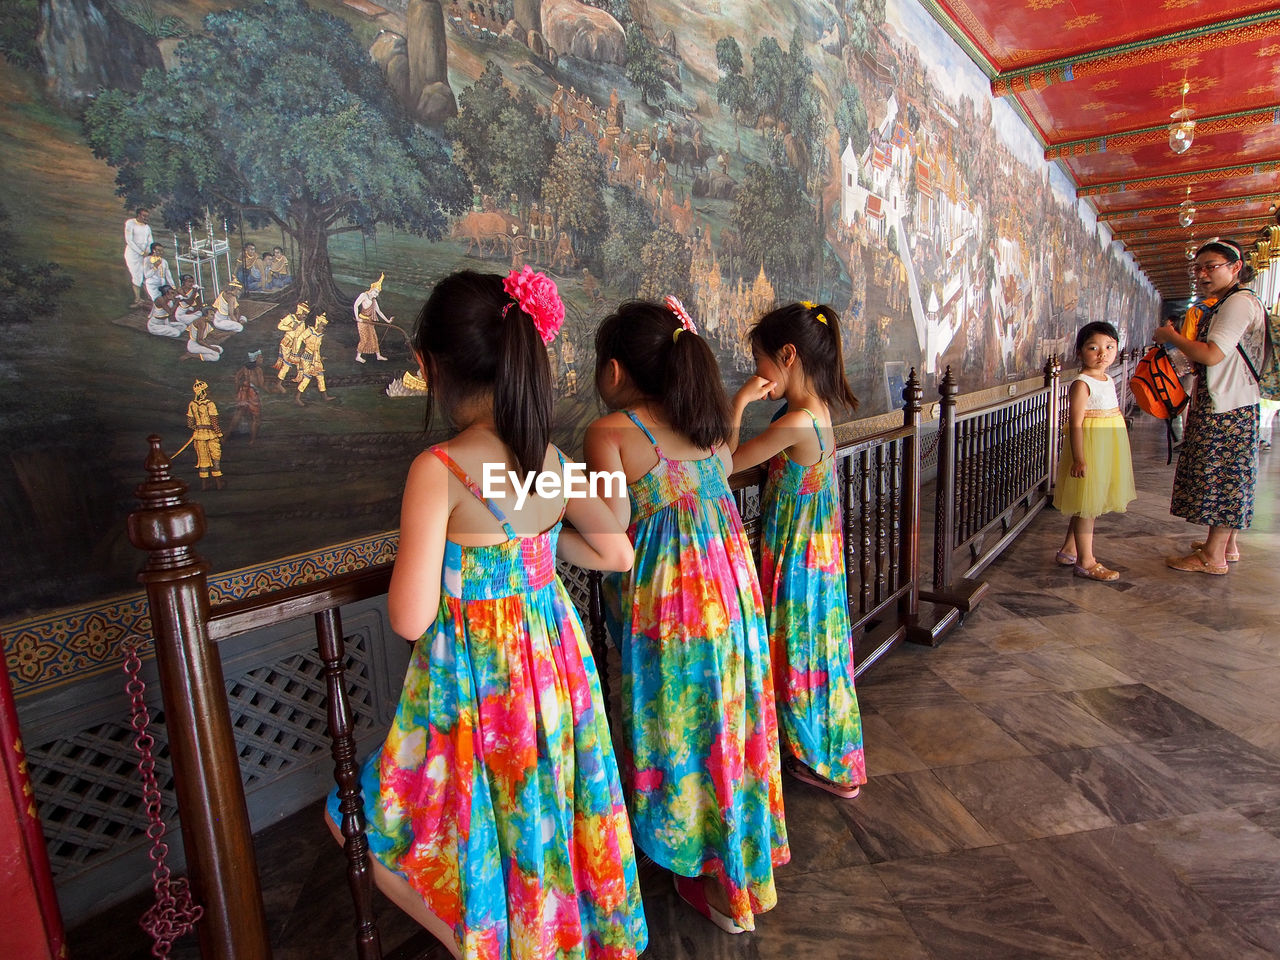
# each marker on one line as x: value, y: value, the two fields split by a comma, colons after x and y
x: 1203, y: 204
x: 1143, y: 136
x: 1188, y: 178
x: 1211, y: 36
x: 1154, y: 235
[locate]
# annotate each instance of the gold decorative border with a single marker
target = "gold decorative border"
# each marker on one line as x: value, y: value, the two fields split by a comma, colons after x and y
x: 55, y: 647
x: 1136, y: 54
x: 1188, y: 178
x: 1201, y: 204
x: 1154, y: 236
x: 1143, y: 136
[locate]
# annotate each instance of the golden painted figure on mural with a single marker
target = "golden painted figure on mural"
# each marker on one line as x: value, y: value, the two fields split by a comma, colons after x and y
x: 367, y: 313
x: 310, y: 363
x: 206, y: 435
x: 294, y: 327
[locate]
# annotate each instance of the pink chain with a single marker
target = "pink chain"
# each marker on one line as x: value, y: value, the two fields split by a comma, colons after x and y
x: 173, y: 914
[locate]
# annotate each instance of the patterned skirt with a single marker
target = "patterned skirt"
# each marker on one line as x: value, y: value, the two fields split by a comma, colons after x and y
x: 1214, y: 481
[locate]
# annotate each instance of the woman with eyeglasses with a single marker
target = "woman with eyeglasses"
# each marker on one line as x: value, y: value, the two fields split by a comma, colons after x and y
x: 1216, y: 473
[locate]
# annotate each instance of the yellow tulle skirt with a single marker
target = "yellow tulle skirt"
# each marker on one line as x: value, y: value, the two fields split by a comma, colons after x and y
x: 1107, y: 485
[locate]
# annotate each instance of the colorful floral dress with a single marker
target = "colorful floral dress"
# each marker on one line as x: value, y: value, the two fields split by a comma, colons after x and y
x: 496, y: 794
x: 700, y: 733
x: 802, y: 577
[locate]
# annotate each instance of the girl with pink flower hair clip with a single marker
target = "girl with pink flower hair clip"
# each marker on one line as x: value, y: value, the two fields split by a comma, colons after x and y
x: 494, y: 810
x: 700, y: 736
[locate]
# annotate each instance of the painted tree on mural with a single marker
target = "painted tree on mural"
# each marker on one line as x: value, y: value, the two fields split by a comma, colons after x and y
x: 774, y: 218
x: 630, y: 227
x: 574, y: 187
x: 274, y: 112
x: 851, y: 119
x: 732, y: 90
x: 644, y: 67
x: 498, y: 139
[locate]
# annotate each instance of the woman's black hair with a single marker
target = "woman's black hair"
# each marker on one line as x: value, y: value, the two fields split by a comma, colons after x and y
x: 1096, y: 326
x: 814, y: 331
x: 473, y: 339
x: 152, y: 248
x: 670, y: 366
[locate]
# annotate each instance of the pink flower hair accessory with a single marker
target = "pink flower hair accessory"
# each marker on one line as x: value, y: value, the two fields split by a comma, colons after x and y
x: 537, y: 296
x: 672, y: 303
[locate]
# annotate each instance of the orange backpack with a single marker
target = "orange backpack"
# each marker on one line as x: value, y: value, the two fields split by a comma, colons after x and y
x: 1157, y: 390
x: 1155, y: 385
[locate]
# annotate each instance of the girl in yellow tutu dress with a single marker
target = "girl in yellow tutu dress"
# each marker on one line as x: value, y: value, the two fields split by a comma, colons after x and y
x: 1095, y: 472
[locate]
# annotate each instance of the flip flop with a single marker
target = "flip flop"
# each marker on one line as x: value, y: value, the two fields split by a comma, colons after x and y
x: 1097, y: 572
x: 690, y: 890
x: 1196, y: 562
x: 1231, y: 557
x: 802, y: 773
x: 1065, y: 559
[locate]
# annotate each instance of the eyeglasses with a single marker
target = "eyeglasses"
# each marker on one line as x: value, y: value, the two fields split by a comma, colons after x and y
x: 1206, y: 268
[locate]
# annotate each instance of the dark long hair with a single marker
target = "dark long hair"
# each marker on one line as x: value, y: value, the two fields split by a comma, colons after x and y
x: 474, y: 338
x: 817, y: 343
x: 677, y: 372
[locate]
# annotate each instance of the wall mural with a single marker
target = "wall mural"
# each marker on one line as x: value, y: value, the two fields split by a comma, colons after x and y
x: 301, y: 173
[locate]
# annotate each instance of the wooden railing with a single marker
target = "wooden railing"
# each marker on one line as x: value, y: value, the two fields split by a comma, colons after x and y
x: 879, y: 479
x: 995, y: 471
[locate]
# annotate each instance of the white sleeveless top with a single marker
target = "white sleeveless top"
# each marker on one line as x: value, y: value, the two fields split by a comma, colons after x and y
x: 1102, y: 393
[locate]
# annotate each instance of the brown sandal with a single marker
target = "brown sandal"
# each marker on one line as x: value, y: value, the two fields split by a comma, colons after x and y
x: 1097, y: 572
x: 1230, y: 557
x: 1196, y: 562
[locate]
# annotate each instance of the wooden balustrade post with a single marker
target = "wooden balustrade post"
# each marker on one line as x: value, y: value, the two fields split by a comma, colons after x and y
x: 215, y: 820
x: 1052, y: 370
x: 346, y: 773
x: 945, y: 516
x: 909, y: 605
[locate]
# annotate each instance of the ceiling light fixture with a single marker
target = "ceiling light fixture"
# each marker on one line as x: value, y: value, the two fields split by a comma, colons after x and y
x: 1187, y: 211
x: 1182, y: 130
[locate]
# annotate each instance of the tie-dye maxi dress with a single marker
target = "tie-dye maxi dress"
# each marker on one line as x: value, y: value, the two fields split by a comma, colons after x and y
x: 496, y: 794
x: 702, y: 765
x: 803, y: 581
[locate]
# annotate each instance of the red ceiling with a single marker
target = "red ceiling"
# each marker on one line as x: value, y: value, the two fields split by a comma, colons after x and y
x: 1097, y: 81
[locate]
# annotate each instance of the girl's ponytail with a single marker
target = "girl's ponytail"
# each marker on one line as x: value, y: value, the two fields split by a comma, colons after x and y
x: 522, y: 398
x: 670, y: 366
x: 694, y: 409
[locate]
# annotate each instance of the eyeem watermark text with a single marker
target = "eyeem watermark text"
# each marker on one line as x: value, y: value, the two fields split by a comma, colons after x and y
x: 574, y: 484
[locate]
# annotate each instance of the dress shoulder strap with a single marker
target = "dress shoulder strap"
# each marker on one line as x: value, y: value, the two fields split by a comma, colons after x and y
x: 822, y: 447
x: 471, y: 485
x: 636, y: 420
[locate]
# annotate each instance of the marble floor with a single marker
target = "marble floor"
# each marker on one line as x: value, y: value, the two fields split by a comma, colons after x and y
x: 1080, y: 770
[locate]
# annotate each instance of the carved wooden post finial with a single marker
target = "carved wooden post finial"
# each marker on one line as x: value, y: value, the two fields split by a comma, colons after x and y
x: 912, y: 396
x: 165, y: 525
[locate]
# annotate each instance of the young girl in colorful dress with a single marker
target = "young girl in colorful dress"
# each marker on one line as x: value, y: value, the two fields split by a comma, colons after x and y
x: 1095, y: 472
x: 494, y: 810
x: 700, y: 733
x: 799, y: 358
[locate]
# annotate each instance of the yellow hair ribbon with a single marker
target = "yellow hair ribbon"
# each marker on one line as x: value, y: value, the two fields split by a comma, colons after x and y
x: 822, y: 319
x: 675, y: 334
